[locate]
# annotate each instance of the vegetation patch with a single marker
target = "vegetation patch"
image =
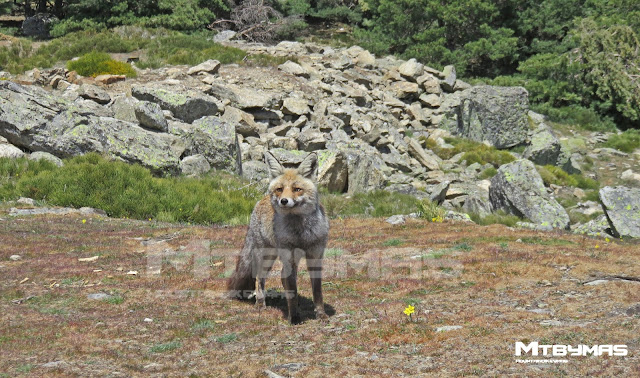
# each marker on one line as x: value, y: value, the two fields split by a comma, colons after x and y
x: 498, y: 217
x: 130, y: 191
x: 377, y: 203
x: 98, y: 63
x: 557, y: 176
x: 627, y: 141
x: 474, y: 152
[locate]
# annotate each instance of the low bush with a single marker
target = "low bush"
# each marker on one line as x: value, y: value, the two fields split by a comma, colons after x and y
x: 124, y: 190
x: 474, y: 152
x: 627, y: 141
x: 99, y: 63
x: 555, y: 175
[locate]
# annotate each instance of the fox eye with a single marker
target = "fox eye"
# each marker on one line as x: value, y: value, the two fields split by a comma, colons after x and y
x: 278, y: 190
x: 297, y: 189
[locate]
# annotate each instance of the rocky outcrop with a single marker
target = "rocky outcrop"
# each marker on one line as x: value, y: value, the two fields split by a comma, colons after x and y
x: 497, y: 115
x: 544, y: 147
x: 622, y: 208
x: 518, y: 189
x: 186, y: 105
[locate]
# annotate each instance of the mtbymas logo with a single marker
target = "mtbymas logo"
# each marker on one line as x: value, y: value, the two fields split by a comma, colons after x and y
x: 536, y: 349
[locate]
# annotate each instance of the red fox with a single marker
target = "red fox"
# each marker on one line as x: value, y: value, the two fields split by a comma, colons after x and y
x: 289, y: 222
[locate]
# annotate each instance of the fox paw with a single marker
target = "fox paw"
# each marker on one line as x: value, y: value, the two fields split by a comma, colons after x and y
x: 321, y: 315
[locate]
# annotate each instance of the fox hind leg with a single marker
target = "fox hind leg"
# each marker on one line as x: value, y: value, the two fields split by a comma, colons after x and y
x: 264, y: 267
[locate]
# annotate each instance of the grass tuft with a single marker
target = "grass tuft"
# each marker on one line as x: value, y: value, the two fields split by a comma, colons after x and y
x: 627, y: 141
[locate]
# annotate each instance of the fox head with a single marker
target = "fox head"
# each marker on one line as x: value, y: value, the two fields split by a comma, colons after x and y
x: 292, y: 191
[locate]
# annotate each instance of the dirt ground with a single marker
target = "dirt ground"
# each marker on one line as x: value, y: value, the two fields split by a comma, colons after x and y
x: 94, y: 296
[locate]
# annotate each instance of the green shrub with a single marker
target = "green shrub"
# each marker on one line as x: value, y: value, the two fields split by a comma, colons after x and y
x: 627, y: 141
x: 474, y: 152
x: 431, y: 211
x: 99, y: 63
x: 555, y: 175
x: 488, y: 173
x: 124, y: 190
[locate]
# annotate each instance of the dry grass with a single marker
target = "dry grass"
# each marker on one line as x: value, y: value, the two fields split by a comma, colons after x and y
x: 480, y: 278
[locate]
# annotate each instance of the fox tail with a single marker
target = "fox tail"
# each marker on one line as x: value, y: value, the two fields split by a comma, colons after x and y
x: 242, y: 283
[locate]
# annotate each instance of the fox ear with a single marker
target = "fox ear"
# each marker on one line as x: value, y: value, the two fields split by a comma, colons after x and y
x: 275, y: 168
x: 309, y: 166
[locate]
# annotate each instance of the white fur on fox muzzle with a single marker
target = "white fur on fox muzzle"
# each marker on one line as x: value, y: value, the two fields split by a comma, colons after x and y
x: 286, y: 202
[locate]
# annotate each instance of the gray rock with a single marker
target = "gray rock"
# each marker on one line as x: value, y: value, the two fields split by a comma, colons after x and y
x: 39, y: 121
x: 629, y: 175
x: 449, y: 81
x: 289, y: 159
x: 497, y: 115
x: 457, y: 217
x: 427, y: 158
x: 365, y: 59
x: 431, y: 100
x: 404, y: 90
x: 439, y: 192
x: 26, y: 201
x: 150, y: 115
x: 224, y: 36
x: 210, y: 66
x: 55, y: 365
x: 255, y: 171
x: 217, y: 141
x: 10, y: 151
x: 94, y: 93
x: 595, y: 227
x: 195, y: 165
x: 245, y: 98
x: 185, y: 105
x: 98, y: 296
x: 295, y: 106
x: 544, y: 147
x: 477, y: 203
x: 366, y: 171
x: 124, y: 108
x: 39, y: 155
x: 293, y: 68
x: 622, y: 207
x: 518, y: 189
x: 411, y: 69
x: 244, y: 122
x: 15, y: 257
x: 333, y: 170
x: 396, y: 220
x: 311, y: 140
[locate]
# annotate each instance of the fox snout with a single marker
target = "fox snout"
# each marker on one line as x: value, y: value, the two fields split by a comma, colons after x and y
x: 287, y: 202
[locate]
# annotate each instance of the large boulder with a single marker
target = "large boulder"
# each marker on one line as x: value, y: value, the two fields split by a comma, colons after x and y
x: 518, y: 189
x: 35, y: 119
x: 497, y: 115
x: 185, y: 105
x: 622, y: 207
x: 216, y: 140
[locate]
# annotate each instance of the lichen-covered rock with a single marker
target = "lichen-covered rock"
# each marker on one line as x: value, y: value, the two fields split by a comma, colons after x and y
x: 333, y: 172
x: 195, y: 165
x: 39, y: 121
x: 217, y: 141
x: 255, y: 171
x: 544, y: 147
x: 497, y: 115
x: 595, y: 227
x: 124, y: 108
x: 411, y: 69
x: 187, y: 106
x: 293, y: 68
x: 243, y: 97
x: 622, y: 207
x: 295, y: 106
x: 150, y: 116
x: 449, y: 78
x: 311, y: 140
x: 518, y: 189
